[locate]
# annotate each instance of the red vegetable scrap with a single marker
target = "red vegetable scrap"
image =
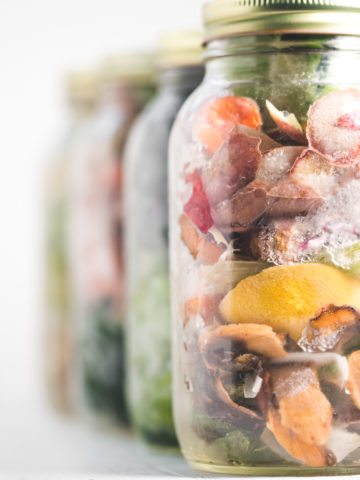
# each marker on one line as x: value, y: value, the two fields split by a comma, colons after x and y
x: 287, y: 123
x: 217, y: 117
x: 198, y: 208
x: 333, y: 126
x: 233, y: 166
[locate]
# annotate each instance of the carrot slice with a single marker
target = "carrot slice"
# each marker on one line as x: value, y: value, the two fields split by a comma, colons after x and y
x: 310, y: 454
x: 217, y: 117
x: 353, y: 384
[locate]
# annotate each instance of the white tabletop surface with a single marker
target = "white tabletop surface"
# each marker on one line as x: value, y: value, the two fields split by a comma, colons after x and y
x: 35, y: 444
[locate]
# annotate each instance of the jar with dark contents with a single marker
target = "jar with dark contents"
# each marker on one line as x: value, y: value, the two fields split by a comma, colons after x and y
x: 148, y: 318
x: 96, y: 238
x: 265, y: 242
x: 82, y: 94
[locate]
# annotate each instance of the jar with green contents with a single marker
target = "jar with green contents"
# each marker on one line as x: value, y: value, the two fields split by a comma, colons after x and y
x: 148, y: 323
x: 81, y: 91
x: 96, y: 238
x: 265, y: 242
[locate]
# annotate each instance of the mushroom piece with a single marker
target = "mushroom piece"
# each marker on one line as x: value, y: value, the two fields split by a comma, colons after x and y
x: 287, y: 123
x: 222, y: 346
x: 299, y: 414
x: 201, y: 249
x: 333, y: 329
x: 233, y: 166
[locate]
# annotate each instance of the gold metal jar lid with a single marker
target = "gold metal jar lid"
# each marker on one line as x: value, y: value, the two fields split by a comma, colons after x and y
x: 82, y: 86
x: 130, y: 67
x: 244, y: 17
x: 180, y: 48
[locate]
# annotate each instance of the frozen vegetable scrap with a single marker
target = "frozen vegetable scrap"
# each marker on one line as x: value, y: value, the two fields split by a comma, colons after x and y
x: 217, y: 117
x: 287, y: 123
x: 254, y: 338
x: 302, y: 406
x: 242, y: 209
x: 277, y: 242
x: 291, y: 198
x: 276, y: 163
x: 353, y: 384
x: 201, y: 249
x: 288, y: 297
x: 333, y: 126
x: 299, y: 414
x: 331, y: 330
x: 197, y: 208
x: 232, y: 166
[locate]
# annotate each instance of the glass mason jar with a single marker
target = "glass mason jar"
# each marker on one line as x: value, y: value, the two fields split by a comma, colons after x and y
x: 148, y: 325
x: 82, y: 92
x: 265, y: 242
x: 96, y: 239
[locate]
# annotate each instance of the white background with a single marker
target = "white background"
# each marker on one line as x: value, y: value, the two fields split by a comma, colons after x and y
x: 40, y: 40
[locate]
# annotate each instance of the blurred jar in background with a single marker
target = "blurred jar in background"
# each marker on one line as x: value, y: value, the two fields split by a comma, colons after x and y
x: 95, y: 238
x: 148, y: 325
x: 82, y: 93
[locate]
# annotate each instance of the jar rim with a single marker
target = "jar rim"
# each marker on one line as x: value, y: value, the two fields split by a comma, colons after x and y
x: 224, y: 18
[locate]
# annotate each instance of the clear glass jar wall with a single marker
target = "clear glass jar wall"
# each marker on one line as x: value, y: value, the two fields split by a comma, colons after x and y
x: 148, y: 326
x: 265, y: 257
x: 58, y: 329
x: 96, y: 244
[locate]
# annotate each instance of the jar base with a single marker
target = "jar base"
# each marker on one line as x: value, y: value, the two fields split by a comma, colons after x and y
x: 270, y: 471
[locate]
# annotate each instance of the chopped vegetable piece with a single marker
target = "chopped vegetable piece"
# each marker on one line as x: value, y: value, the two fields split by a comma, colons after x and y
x: 330, y: 329
x: 277, y: 242
x: 312, y: 455
x: 242, y: 209
x: 315, y: 171
x: 353, y: 384
x: 291, y: 198
x: 276, y: 164
x: 233, y: 166
x: 287, y: 123
x: 302, y: 406
x: 217, y: 117
x: 255, y: 338
x: 203, y: 250
x: 266, y: 142
x: 198, y: 208
x: 330, y: 132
